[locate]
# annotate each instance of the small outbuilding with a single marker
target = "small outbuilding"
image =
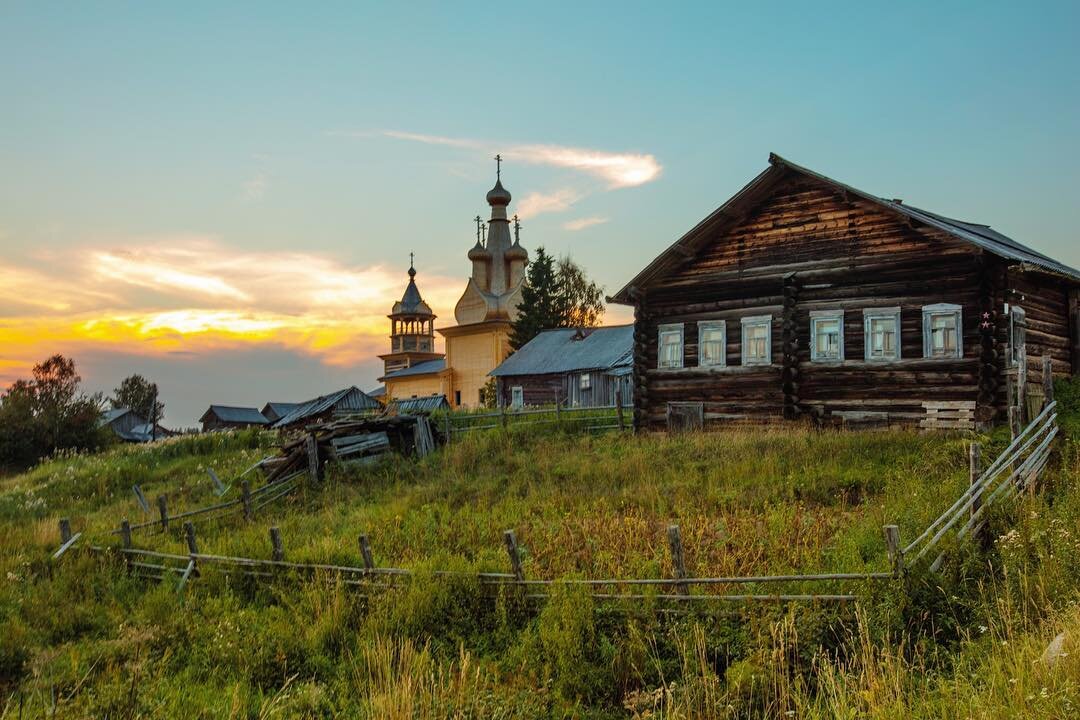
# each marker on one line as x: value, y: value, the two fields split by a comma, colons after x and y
x: 129, y: 426
x: 578, y: 367
x: 228, y: 417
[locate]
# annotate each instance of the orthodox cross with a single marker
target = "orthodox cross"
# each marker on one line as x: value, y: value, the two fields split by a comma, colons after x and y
x: 517, y: 228
x: 410, y: 259
x: 498, y: 167
x: 478, y: 229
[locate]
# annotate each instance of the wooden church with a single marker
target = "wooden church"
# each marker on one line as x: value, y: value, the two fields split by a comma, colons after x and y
x: 803, y: 297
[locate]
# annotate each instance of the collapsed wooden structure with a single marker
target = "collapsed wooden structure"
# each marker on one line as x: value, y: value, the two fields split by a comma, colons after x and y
x: 352, y: 440
x: 805, y: 297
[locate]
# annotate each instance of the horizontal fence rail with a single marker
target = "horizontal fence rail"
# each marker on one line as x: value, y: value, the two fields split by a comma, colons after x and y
x: 159, y: 566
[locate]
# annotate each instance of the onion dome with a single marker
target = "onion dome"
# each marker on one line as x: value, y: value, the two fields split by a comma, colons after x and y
x: 516, y: 252
x: 498, y: 195
x: 479, y: 252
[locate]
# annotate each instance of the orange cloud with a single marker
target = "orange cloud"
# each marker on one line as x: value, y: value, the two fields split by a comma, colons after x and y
x: 197, y: 295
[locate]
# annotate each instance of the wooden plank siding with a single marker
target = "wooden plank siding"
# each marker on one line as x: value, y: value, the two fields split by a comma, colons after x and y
x: 838, y: 252
x: 543, y: 389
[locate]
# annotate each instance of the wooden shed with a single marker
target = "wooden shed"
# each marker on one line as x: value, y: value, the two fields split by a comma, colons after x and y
x: 805, y: 297
x: 227, y: 417
x: 579, y: 367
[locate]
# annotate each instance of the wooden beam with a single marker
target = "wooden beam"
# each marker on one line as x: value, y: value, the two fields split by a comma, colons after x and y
x: 510, y: 539
x: 893, y: 546
x: 677, y: 562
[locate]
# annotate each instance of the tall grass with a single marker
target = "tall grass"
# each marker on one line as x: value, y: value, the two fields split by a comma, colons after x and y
x: 967, y: 642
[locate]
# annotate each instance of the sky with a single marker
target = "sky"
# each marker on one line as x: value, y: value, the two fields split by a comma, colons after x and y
x: 223, y: 197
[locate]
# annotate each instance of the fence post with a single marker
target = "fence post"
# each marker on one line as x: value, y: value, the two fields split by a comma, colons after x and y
x: 278, y: 552
x: 1047, y: 379
x: 618, y: 408
x: 675, y: 543
x: 558, y: 410
x: 502, y: 415
x: 512, y: 552
x: 189, y: 535
x: 892, y: 544
x: 446, y: 422
x: 365, y: 551
x: 314, y: 466
x: 1014, y: 422
x: 163, y: 511
x: 125, y: 540
x: 245, y: 499
x: 65, y: 530
x: 974, y: 468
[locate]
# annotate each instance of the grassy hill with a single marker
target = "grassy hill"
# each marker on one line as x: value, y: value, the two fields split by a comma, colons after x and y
x: 963, y: 643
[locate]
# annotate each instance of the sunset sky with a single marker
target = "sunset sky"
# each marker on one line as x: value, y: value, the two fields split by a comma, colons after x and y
x: 224, y: 199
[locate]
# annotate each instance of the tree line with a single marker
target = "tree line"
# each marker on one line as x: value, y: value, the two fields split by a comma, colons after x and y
x: 49, y: 412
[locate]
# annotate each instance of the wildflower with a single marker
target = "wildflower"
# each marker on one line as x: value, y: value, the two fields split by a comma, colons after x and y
x: 982, y: 629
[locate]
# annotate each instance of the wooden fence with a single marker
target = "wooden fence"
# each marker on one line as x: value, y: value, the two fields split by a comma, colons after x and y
x: 579, y: 419
x: 1014, y: 470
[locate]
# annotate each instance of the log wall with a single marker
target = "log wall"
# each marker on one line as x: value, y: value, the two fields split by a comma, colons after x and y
x: 812, y: 247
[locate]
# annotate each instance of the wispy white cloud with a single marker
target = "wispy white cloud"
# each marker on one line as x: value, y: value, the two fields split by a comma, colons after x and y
x: 618, y: 170
x: 255, y: 188
x: 582, y: 223
x: 537, y: 203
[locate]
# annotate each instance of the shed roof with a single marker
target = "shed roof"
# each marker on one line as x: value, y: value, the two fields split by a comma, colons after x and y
x: 350, y: 398
x: 229, y: 413
x: 982, y: 236
x: 422, y: 368
x: 571, y: 349
x: 425, y: 404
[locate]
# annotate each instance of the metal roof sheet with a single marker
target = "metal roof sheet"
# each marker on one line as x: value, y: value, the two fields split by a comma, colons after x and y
x: 229, y: 413
x: 428, y: 366
x: 571, y: 349
x: 113, y: 414
x: 425, y: 404
x: 349, y: 399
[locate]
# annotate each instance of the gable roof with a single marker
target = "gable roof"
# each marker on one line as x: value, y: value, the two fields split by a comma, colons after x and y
x: 349, y: 399
x: 113, y: 414
x: 422, y: 368
x: 558, y: 351
x: 758, y: 189
x: 278, y: 409
x: 229, y: 413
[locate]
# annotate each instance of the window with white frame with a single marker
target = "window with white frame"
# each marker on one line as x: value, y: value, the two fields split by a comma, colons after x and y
x: 827, y: 335
x: 757, y: 340
x: 584, y: 381
x: 670, y: 347
x: 881, y: 331
x: 712, y: 343
x: 517, y: 396
x: 942, y: 331
x: 1017, y: 334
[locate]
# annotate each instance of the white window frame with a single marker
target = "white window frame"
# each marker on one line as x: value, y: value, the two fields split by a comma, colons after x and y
x: 713, y: 325
x: 517, y: 396
x: 817, y: 316
x: 929, y: 312
x: 871, y: 314
x: 1017, y: 321
x: 661, y: 331
x: 755, y: 320
x: 584, y: 382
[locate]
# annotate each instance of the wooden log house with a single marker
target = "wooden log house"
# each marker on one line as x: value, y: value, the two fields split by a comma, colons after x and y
x: 803, y: 297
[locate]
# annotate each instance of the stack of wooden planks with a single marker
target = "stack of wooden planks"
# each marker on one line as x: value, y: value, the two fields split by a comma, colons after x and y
x: 948, y: 415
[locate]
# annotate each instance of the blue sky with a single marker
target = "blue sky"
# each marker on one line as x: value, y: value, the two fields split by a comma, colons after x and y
x: 248, y: 181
